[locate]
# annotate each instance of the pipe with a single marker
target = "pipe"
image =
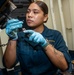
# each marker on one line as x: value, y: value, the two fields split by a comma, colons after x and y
x: 52, y: 14
x: 62, y: 21
x: 72, y: 20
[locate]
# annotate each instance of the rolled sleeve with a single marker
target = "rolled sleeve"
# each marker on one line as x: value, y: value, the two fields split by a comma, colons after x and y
x: 61, y: 46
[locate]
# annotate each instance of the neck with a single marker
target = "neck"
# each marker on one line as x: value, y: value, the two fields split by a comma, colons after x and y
x: 39, y: 29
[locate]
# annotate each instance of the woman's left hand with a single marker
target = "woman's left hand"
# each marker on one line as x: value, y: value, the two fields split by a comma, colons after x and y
x: 36, y: 37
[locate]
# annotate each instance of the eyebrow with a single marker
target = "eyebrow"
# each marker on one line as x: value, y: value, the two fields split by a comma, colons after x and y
x: 33, y: 9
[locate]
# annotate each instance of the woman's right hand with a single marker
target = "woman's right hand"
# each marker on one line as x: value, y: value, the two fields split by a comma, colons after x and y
x: 12, y: 27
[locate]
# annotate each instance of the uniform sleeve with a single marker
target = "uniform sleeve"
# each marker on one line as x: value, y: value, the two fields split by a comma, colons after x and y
x: 61, y: 46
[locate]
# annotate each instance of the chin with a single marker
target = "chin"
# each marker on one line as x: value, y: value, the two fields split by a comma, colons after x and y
x: 30, y: 25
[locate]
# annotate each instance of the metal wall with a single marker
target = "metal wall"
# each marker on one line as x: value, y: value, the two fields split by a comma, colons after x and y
x: 61, y: 17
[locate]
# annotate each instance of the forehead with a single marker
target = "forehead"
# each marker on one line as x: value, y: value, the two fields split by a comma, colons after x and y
x: 34, y: 6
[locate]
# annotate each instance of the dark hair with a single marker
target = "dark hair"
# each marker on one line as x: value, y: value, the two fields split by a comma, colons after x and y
x: 43, y: 6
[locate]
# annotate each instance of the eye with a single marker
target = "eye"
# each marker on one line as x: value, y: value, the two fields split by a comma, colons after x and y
x: 28, y: 11
x: 36, y: 12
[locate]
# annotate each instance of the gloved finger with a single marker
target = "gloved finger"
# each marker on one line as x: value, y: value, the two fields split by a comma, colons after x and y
x: 15, y: 25
x: 36, y: 39
x: 28, y: 31
x: 12, y: 20
x: 12, y: 35
x: 32, y: 36
x: 8, y: 31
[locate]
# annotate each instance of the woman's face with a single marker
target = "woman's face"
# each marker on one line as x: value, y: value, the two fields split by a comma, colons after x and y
x: 35, y: 16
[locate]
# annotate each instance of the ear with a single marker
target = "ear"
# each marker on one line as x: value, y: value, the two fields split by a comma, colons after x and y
x: 45, y: 17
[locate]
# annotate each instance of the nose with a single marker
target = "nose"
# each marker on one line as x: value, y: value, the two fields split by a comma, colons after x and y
x: 30, y: 14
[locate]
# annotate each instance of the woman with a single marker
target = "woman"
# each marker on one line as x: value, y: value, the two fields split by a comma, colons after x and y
x: 40, y: 51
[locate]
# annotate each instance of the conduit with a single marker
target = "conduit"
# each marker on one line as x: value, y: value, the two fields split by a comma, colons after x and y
x: 52, y: 14
x: 72, y: 20
x: 62, y: 21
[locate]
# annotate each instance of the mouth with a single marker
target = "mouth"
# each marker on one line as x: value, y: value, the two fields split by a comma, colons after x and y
x: 29, y: 21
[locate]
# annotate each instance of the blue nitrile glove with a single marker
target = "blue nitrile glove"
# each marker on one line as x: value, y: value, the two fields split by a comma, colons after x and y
x: 36, y: 37
x: 12, y: 27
